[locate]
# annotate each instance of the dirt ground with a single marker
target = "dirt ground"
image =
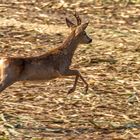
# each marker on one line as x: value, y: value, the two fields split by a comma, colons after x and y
x: 110, y: 64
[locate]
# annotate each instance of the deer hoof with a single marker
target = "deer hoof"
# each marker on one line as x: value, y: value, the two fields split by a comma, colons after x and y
x: 86, y: 89
x: 71, y: 90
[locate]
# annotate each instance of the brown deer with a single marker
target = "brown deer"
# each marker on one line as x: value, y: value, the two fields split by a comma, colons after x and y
x: 53, y: 64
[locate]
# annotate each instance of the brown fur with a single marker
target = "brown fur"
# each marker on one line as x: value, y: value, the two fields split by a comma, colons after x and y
x: 53, y: 64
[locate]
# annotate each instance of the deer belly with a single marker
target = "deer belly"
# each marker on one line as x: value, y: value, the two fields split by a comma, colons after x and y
x: 35, y: 73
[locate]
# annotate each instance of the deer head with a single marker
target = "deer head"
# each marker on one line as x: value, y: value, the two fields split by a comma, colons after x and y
x: 79, y: 28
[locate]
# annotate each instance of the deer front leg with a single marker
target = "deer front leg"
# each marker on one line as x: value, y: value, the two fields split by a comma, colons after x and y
x: 77, y: 74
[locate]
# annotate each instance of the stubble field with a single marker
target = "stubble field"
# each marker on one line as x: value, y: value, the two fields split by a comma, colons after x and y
x: 110, y: 64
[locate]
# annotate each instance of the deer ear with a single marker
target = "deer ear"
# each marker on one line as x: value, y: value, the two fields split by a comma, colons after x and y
x: 81, y: 28
x: 84, y: 26
x: 69, y: 23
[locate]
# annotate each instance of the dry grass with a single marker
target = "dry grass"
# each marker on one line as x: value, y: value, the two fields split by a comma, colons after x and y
x: 111, y: 65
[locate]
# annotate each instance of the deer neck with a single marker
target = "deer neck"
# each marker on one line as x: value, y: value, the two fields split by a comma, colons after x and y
x: 70, y: 45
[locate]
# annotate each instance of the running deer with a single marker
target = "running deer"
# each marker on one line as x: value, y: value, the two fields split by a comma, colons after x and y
x: 53, y: 64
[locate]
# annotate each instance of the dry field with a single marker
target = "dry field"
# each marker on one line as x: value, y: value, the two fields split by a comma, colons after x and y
x: 111, y: 66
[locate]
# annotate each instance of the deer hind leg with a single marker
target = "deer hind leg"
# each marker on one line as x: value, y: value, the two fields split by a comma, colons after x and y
x: 77, y: 74
x: 5, y: 83
x: 9, y: 75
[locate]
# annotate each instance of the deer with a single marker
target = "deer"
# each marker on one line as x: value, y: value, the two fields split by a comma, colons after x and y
x: 53, y: 64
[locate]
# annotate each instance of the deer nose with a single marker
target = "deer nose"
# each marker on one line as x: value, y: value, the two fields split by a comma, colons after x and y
x: 90, y: 40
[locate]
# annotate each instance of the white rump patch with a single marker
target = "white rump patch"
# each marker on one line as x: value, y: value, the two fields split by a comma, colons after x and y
x: 1, y: 61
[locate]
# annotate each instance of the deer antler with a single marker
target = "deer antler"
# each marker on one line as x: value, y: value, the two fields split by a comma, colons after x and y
x: 78, y: 19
